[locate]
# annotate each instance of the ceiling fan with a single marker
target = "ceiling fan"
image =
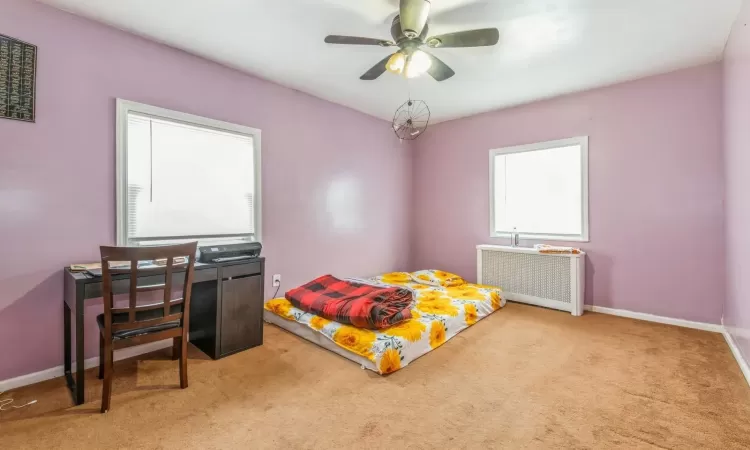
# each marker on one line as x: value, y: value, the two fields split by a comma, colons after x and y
x: 409, y: 30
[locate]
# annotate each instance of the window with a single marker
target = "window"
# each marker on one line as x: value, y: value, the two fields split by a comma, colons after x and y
x: 540, y: 190
x: 184, y: 177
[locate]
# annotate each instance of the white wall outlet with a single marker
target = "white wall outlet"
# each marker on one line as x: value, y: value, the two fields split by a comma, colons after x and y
x: 277, y: 280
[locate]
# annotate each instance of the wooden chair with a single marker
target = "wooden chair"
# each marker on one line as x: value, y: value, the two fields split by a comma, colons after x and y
x: 141, y: 324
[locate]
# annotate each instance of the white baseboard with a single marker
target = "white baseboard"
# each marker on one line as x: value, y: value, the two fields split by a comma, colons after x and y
x: 716, y: 328
x: 744, y: 366
x: 54, y: 372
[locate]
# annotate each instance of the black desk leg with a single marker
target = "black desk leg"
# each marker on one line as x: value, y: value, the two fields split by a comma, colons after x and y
x: 80, y: 370
x: 67, y: 342
x: 76, y: 385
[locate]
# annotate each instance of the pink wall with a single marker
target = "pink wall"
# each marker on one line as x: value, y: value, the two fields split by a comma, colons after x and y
x: 655, y: 179
x: 57, y: 175
x: 656, y: 189
x: 737, y: 169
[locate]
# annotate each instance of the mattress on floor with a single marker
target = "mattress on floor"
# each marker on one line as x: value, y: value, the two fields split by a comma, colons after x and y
x: 438, y: 314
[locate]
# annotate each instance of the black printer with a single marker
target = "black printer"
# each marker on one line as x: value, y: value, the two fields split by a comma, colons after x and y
x: 229, y: 252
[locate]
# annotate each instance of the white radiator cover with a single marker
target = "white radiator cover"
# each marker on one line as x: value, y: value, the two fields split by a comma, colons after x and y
x: 527, y: 276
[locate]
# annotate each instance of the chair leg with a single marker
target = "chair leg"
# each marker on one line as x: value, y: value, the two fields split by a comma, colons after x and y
x: 108, y: 373
x: 183, y: 362
x: 101, y: 356
x: 176, y: 349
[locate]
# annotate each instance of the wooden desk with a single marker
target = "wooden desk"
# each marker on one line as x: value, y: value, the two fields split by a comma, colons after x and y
x: 226, y: 310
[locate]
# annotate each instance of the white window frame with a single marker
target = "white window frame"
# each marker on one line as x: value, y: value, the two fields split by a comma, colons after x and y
x: 124, y: 107
x: 583, y: 142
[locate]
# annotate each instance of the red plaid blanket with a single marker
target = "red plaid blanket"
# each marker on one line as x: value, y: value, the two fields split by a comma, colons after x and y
x: 356, y: 304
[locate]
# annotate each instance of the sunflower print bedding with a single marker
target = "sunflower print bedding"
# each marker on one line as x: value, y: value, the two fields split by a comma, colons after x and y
x: 438, y: 313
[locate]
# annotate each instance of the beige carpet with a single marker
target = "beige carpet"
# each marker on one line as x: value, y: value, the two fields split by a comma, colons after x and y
x: 525, y: 377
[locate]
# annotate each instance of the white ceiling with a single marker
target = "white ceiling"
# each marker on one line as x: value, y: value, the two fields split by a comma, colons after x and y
x: 547, y: 47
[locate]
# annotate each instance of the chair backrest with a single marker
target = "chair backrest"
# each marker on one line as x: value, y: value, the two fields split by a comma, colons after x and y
x: 124, y: 260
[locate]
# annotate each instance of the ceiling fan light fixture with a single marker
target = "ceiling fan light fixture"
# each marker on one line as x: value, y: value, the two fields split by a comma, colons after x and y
x: 397, y: 63
x: 417, y: 64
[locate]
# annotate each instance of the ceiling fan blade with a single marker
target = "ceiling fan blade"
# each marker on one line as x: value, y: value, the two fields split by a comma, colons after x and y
x: 376, y: 70
x: 472, y: 38
x: 413, y: 16
x: 439, y: 70
x: 353, y: 40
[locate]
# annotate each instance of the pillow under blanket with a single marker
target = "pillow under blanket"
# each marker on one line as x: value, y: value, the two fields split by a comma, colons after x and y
x: 437, y: 278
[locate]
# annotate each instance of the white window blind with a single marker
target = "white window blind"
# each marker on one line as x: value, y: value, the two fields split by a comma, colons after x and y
x: 186, y: 180
x: 540, y: 190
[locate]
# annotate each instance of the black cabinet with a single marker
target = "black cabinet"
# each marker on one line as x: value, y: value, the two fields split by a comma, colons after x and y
x: 241, y: 320
x: 226, y: 315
